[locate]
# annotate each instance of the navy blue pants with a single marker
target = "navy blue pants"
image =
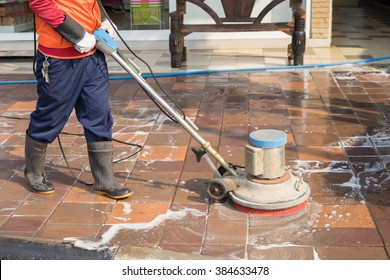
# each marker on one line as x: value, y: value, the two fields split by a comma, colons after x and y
x: 81, y: 84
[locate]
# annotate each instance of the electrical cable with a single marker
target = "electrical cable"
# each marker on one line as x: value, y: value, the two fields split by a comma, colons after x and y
x: 35, y: 47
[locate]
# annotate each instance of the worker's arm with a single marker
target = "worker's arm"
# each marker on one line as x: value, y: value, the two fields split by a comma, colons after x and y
x: 70, y: 29
x: 48, y: 11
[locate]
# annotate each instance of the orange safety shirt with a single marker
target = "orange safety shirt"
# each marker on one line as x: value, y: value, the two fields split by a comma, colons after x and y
x: 51, y: 13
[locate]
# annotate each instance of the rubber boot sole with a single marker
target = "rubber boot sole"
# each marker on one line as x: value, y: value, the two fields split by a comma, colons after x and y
x: 45, y: 192
x: 113, y: 196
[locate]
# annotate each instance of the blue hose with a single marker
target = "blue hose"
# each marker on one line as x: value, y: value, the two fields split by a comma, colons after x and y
x: 210, y: 71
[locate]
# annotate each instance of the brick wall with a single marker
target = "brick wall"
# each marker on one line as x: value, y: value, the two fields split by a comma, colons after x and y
x: 321, y: 18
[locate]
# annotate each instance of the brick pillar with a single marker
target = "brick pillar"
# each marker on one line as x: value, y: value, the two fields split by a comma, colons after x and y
x: 321, y: 19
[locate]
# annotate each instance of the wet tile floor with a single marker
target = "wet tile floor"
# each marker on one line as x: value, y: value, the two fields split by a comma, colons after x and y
x: 337, y: 121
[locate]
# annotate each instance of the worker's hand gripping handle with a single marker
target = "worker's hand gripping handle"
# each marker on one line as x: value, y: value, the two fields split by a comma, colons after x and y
x: 104, y: 42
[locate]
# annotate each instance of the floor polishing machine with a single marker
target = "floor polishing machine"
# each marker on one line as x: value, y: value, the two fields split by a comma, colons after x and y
x: 264, y: 186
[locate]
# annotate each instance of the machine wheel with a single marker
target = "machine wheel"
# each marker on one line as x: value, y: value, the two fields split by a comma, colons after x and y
x: 216, y: 190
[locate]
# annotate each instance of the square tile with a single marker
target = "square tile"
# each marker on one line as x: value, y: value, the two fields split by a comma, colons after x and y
x: 22, y: 225
x: 225, y: 251
x: 282, y: 252
x: 81, y: 213
x: 384, y: 230
x: 184, y: 232
x: 351, y: 253
x: 61, y: 232
x: 136, y: 213
x: 36, y: 208
x: 356, y: 237
x: 221, y: 233
x: 343, y: 216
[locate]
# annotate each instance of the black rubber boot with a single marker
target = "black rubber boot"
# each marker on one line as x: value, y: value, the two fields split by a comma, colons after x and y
x: 35, y: 155
x: 100, y: 156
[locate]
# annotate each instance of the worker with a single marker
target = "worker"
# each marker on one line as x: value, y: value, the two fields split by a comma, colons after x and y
x: 71, y: 74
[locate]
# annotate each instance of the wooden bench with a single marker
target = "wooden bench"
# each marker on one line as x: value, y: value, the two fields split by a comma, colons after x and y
x: 237, y: 19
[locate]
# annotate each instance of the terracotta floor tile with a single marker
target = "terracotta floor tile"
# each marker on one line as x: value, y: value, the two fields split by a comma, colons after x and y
x: 343, y: 216
x: 165, y: 139
x: 53, y: 231
x: 265, y: 104
x: 152, y: 193
x: 281, y: 252
x: 133, y: 237
x: 225, y: 251
x: 348, y: 237
x: 23, y: 106
x: 316, y: 139
x: 221, y: 233
x: 334, y: 193
x: 8, y: 207
x: 233, y: 155
x: 317, y: 129
x: 308, y: 113
x: 294, y: 229
x: 190, y: 232
x: 264, y: 79
x: 384, y: 230
x: 3, y: 219
x: 360, y: 151
x: 360, y: 164
x: 15, y: 189
x: 192, y: 211
x: 235, y: 118
x: 22, y: 225
x: 4, y: 137
x: 291, y: 154
x: 195, y: 179
x: 14, y: 140
x: 340, y: 120
x: 194, y: 249
x: 186, y: 86
x: 158, y: 166
x: 157, y: 179
x: 208, y: 136
x: 85, y: 194
x: 5, y: 175
x: 81, y: 213
x: 191, y: 195
x: 192, y: 165
x: 234, y: 136
x: 163, y: 153
x: 374, y: 181
x: 130, y: 138
x: 351, y: 253
x: 320, y: 153
x: 380, y: 212
x: 304, y: 103
x: 281, y: 235
x: 36, y: 208
x: 136, y: 213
